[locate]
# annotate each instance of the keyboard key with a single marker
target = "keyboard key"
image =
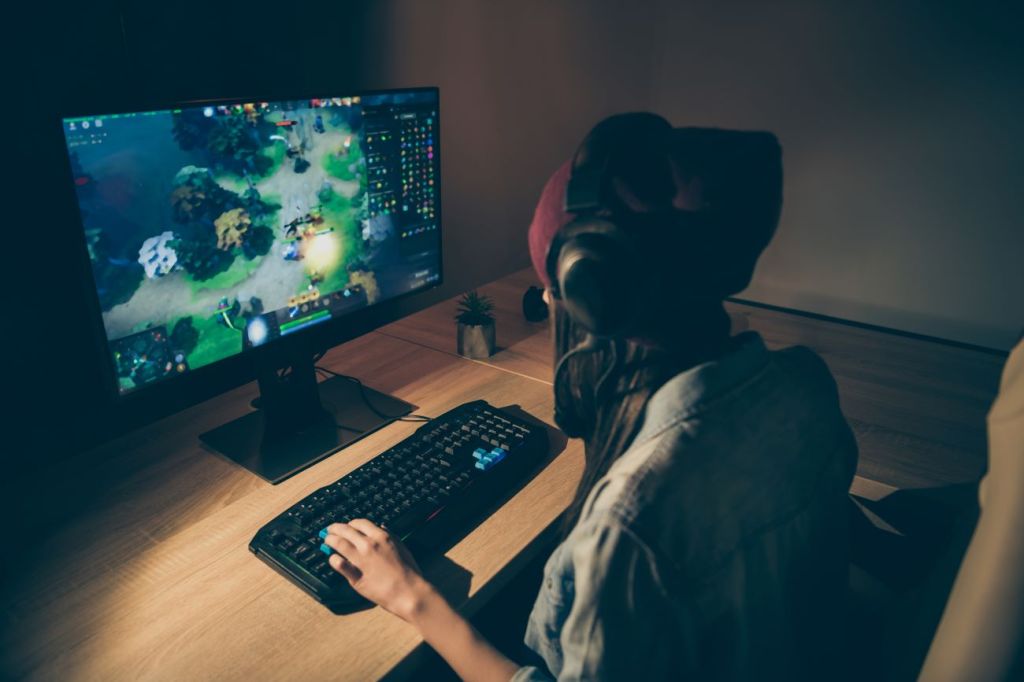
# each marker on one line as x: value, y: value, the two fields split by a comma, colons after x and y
x: 403, y: 487
x: 329, y: 576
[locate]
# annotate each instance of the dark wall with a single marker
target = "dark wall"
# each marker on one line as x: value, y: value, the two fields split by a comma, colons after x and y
x: 904, y: 150
x: 96, y: 57
x: 900, y: 124
x: 521, y: 83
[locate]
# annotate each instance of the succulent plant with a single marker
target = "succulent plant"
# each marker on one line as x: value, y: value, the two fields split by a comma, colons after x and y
x: 474, y: 309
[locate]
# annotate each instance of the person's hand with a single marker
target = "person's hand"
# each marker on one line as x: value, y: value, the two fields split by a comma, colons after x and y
x: 381, y: 569
x: 378, y: 567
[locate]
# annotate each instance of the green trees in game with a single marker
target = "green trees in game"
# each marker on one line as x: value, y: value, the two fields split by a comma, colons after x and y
x: 258, y: 241
x: 216, y: 223
x: 260, y: 238
x: 196, y: 201
x: 198, y: 255
x: 187, y: 202
x: 252, y: 198
x: 235, y: 229
x: 231, y: 142
x: 256, y: 205
x: 184, y: 336
x: 231, y: 227
x: 191, y: 128
x: 197, y: 196
x: 236, y: 144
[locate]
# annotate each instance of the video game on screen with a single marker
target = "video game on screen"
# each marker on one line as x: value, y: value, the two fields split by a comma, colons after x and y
x: 214, y: 229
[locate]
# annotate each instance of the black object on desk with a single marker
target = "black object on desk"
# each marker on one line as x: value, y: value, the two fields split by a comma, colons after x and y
x: 534, y: 307
x: 447, y: 474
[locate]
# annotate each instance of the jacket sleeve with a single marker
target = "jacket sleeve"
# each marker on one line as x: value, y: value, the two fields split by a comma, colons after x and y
x: 620, y: 625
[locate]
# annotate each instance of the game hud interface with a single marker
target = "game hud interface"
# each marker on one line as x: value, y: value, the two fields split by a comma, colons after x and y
x: 213, y: 229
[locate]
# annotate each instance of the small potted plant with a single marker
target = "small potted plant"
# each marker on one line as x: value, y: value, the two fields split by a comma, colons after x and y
x: 476, y: 326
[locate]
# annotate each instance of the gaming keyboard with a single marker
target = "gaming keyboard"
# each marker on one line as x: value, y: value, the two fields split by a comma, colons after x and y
x: 435, y: 483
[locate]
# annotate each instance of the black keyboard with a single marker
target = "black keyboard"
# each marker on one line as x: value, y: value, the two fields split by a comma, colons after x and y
x: 432, y: 485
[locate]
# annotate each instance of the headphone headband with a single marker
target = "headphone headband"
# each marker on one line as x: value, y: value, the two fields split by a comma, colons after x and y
x: 583, y: 193
x: 592, y: 263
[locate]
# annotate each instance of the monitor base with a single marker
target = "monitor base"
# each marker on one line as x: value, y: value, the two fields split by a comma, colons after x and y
x: 277, y: 446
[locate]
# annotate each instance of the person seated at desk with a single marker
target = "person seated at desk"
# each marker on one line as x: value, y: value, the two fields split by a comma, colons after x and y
x: 708, y: 536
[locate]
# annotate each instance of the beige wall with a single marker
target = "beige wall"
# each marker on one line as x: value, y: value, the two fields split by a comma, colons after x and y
x: 900, y: 125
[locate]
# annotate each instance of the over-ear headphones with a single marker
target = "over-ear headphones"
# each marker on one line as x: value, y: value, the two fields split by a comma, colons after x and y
x: 595, y: 263
x: 623, y: 273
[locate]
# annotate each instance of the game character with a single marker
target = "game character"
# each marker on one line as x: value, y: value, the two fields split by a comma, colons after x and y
x: 227, y: 310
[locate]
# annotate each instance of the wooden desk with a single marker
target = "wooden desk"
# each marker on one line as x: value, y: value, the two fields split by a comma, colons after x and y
x: 917, y: 406
x: 151, y: 578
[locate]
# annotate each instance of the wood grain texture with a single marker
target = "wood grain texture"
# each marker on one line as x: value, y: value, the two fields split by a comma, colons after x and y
x: 917, y: 406
x: 523, y: 347
x: 142, y: 571
x: 137, y: 564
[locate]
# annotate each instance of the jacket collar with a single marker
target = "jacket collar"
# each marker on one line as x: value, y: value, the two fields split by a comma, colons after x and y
x: 689, y: 391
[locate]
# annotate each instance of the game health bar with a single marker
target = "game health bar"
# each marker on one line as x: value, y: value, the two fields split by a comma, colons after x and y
x: 295, y: 325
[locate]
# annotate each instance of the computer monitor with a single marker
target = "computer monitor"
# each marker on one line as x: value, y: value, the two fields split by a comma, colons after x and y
x: 264, y: 229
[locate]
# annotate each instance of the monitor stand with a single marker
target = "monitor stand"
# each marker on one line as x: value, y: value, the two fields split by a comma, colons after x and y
x: 299, y: 421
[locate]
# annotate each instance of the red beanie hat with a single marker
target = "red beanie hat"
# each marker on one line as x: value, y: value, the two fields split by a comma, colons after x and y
x: 548, y: 219
x: 736, y: 182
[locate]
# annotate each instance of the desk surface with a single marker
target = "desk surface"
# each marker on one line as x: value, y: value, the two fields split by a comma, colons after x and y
x: 917, y: 406
x: 151, y: 578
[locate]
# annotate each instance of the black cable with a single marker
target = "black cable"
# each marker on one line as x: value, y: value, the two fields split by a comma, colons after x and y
x: 366, y: 398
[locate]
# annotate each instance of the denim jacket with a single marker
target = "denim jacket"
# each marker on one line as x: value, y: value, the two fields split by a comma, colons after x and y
x: 715, y: 548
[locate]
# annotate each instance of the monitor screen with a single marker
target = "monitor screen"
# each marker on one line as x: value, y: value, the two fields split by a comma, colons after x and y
x: 212, y: 229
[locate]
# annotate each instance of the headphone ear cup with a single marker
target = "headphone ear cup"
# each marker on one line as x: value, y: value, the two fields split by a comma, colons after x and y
x: 598, y: 277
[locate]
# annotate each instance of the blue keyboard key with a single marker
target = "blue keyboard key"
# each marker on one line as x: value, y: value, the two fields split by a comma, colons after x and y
x: 325, y: 549
x: 323, y: 533
x: 479, y: 453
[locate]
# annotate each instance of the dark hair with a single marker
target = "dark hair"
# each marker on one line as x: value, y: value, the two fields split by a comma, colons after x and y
x: 604, y: 391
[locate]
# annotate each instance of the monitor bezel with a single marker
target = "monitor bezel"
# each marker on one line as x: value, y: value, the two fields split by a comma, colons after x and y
x: 203, y: 383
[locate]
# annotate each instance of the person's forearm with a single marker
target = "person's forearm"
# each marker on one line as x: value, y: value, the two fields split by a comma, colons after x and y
x: 470, y: 655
